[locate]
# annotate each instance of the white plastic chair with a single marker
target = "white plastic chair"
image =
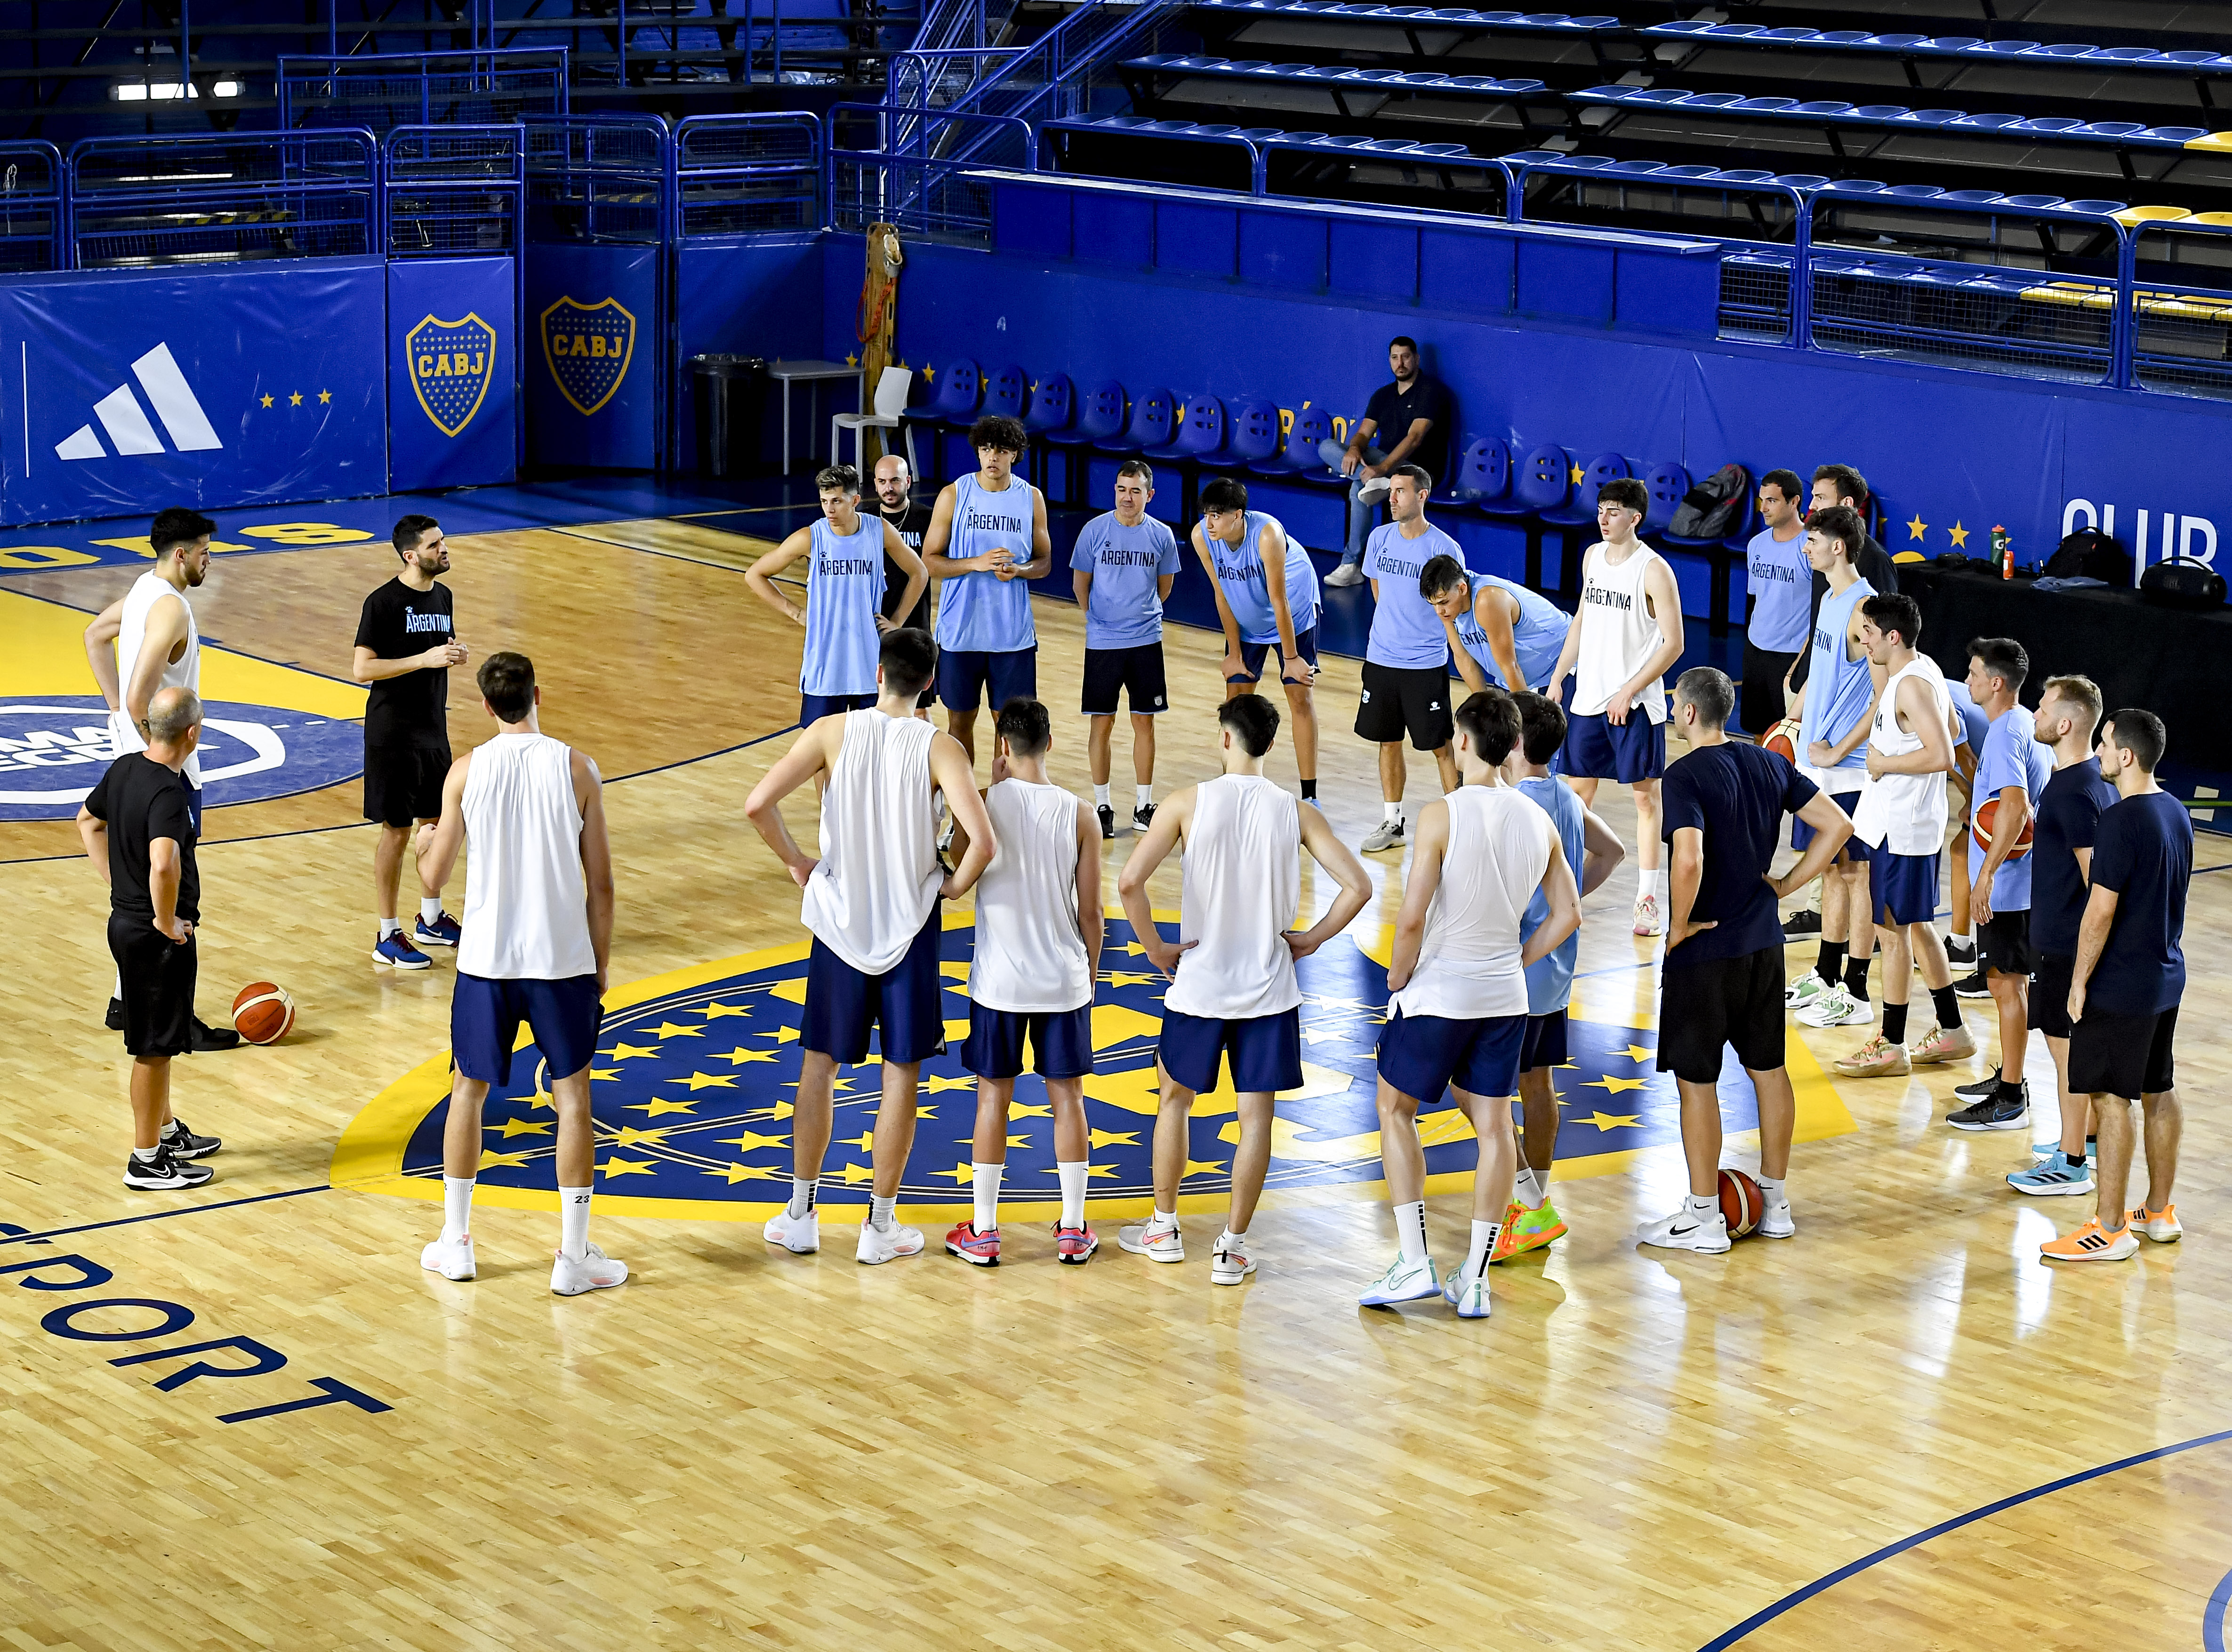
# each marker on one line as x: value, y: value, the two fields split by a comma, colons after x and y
x: 890, y: 401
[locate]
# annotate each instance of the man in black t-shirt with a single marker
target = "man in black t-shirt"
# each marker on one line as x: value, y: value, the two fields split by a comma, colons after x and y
x: 406, y: 642
x: 1721, y: 980
x: 895, y: 503
x: 138, y: 828
x: 1417, y: 412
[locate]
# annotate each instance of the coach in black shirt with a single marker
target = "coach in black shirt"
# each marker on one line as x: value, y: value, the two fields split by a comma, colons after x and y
x: 895, y: 503
x: 1839, y: 484
x: 138, y: 828
x: 1417, y: 412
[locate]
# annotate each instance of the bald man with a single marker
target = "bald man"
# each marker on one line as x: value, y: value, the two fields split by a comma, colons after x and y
x: 895, y: 503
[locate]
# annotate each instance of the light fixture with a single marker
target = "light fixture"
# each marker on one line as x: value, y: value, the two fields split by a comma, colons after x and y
x: 168, y: 91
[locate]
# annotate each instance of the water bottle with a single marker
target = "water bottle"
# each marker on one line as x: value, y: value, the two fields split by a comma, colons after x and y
x: 2003, y: 552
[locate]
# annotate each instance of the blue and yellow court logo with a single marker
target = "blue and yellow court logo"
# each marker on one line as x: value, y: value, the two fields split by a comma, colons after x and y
x: 696, y: 1079
x: 451, y: 365
x: 588, y: 347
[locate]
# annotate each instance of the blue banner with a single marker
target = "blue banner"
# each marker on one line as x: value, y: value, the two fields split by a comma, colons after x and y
x: 592, y: 356
x: 124, y: 391
x: 452, y: 373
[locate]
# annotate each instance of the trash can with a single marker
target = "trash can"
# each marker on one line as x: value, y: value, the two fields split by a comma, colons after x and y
x: 728, y: 394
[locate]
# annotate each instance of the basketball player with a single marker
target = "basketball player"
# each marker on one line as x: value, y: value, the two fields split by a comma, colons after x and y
x: 139, y: 830
x: 844, y: 617
x: 871, y: 903
x: 1406, y: 658
x: 1722, y: 982
x: 146, y: 640
x: 2069, y: 811
x: 1835, y: 712
x: 535, y: 946
x: 1233, y: 991
x: 1532, y: 1220
x: 987, y: 540
x: 2011, y: 775
x: 1901, y: 817
x: 2124, y: 989
x: 406, y: 642
x: 895, y: 503
x: 1838, y: 487
x: 1122, y: 569
x: 1038, y: 951
x: 1627, y: 635
x: 1499, y: 633
x: 1458, y: 995
x: 1780, y: 580
x: 1236, y: 546
x: 1968, y: 742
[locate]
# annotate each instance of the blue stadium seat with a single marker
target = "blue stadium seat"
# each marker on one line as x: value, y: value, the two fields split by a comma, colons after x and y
x: 1667, y: 482
x: 1051, y: 406
x: 1254, y: 437
x: 1197, y: 432
x: 1005, y: 392
x: 1298, y: 460
x: 953, y: 406
x: 1946, y: 46
x: 1100, y: 419
x: 1539, y: 23
x: 1580, y: 508
x: 1483, y: 476
x: 1150, y: 426
x: 1545, y: 480
x: 1386, y: 79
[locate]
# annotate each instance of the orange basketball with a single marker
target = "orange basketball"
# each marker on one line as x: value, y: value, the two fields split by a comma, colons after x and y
x: 1782, y: 739
x: 1983, y: 830
x: 1740, y: 1202
x: 263, y: 1013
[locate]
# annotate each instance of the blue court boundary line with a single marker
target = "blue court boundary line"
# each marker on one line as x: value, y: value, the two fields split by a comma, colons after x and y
x: 1798, y: 1597
x: 2212, y: 1616
x: 157, y: 1216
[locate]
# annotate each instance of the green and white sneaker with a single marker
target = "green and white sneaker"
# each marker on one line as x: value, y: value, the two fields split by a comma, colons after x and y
x: 1403, y: 1281
x: 1804, y: 990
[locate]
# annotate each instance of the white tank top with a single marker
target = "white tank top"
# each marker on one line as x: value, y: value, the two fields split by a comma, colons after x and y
x: 1907, y: 811
x: 185, y: 672
x: 1030, y: 945
x: 526, y: 903
x: 1469, y: 963
x: 1617, y: 633
x: 877, y: 882
x: 1243, y: 887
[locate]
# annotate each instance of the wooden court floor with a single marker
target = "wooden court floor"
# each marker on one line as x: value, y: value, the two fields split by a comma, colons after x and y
x: 1636, y: 1451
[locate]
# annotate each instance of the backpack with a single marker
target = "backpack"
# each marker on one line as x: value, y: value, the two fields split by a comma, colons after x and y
x: 1712, y: 509
x: 2181, y: 585
x: 2089, y: 554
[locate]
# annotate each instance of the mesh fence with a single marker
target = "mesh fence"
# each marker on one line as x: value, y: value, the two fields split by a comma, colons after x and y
x: 601, y: 180
x: 734, y: 174
x: 415, y: 89
x: 195, y: 200
x: 31, y: 208
x: 2181, y: 310
x: 1756, y: 297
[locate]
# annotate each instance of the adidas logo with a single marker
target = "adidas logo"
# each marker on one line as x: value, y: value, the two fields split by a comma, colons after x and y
x: 125, y: 421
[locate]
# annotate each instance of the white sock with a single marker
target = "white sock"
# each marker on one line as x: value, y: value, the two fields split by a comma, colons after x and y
x: 456, y: 1207
x: 1483, y: 1247
x: 1654, y: 884
x: 802, y: 1189
x: 1100, y: 798
x: 389, y: 926
x: 1392, y: 812
x: 1704, y: 1208
x: 574, y: 1222
x: 1142, y: 795
x: 1410, y: 1230
x: 117, y: 990
x: 147, y: 1155
x: 1966, y: 938
x: 429, y: 908
x: 1072, y: 1191
x: 1527, y: 1187
x: 1229, y: 1238
x: 1770, y: 1191
x: 1164, y: 1219
x: 168, y: 1130
x: 986, y: 1178
x: 879, y: 1211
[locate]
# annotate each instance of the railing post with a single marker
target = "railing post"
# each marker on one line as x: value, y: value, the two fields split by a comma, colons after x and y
x: 776, y: 20
x: 2124, y: 339
x: 622, y: 80
x: 1801, y: 277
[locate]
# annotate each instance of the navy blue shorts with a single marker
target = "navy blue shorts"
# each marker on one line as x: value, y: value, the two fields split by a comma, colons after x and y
x: 1423, y: 1055
x: 485, y: 1017
x: 811, y: 708
x: 1902, y: 889
x: 1266, y: 1051
x: 1854, y: 851
x: 1597, y: 748
x: 904, y: 1004
x: 1545, y: 1043
x: 1062, y: 1042
x: 1251, y: 654
x: 963, y: 676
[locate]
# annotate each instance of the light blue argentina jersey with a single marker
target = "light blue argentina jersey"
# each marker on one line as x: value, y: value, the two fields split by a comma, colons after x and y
x: 1124, y: 608
x: 1406, y: 633
x: 1550, y: 979
x: 1840, y: 692
x: 1240, y: 573
x: 844, y: 595
x: 982, y: 613
x: 1536, y: 638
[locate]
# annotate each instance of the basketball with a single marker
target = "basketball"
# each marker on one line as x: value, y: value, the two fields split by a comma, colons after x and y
x: 263, y: 1013
x: 1782, y: 739
x: 1740, y: 1202
x: 1983, y: 830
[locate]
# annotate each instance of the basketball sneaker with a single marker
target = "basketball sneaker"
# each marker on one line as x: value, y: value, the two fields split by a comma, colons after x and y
x: 1155, y: 1241
x: 1107, y: 819
x: 2089, y: 1244
x: 2009, y: 1110
x: 1686, y: 1230
x: 398, y: 954
x: 452, y: 1258
x: 1938, y: 1045
x: 2162, y: 1226
x: 1877, y: 1059
x: 982, y: 1249
x: 800, y: 1234
x: 2051, y: 1175
x: 442, y: 932
x: 206, y: 1037
x: 186, y: 1144
x: 1802, y: 923
x: 1372, y: 490
x: 1972, y: 986
x: 1142, y: 818
x: 1647, y: 920
x: 1775, y: 1220
x: 1074, y: 1246
x: 1388, y: 834
x: 1525, y: 1230
x: 1804, y: 990
x: 1347, y: 575
x: 166, y: 1170
x: 592, y: 1271
x: 2051, y: 1148
x: 1468, y: 1296
x: 1231, y: 1261
x: 880, y: 1245
x: 1837, y: 1008
x: 1962, y: 955
x: 1981, y: 1090
x: 1403, y: 1281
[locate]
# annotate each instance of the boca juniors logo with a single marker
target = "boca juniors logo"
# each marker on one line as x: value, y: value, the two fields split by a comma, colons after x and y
x: 588, y: 347
x: 451, y: 365
x: 695, y: 1081
x: 54, y: 750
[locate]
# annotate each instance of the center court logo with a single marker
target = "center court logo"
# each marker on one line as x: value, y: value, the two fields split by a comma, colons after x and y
x: 451, y: 365
x: 587, y: 349
x: 129, y: 431
x: 54, y: 750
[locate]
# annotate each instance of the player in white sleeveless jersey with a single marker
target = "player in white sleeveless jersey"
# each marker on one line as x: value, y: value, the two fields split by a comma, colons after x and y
x: 1233, y: 990
x: 1625, y: 638
x: 534, y: 945
x: 871, y: 903
x: 1039, y: 922
x: 1458, y: 993
x: 1901, y: 817
x: 146, y: 640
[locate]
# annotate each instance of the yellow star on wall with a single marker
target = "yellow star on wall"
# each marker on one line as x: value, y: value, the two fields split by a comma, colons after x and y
x: 1579, y: 476
x: 714, y: 1012
x: 491, y: 1159
x: 1196, y: 1167
x: 737, y: 1173
x: 267, y: 401
x: 1914, y: 526
x: 1615, y: 1085
x: 325, y: 396
x: 295, y: 400
x: 852, y: 1175
x: 752, y: 1139
x: 626, y: 1167
x: 928, y: 373
x: 628, y: 1052
x: 1114, y: 1137
x: 851, y: 360
x: 1960, y: 536
x: 660, y: 1107
x: 512, y: 1127
x: 698, y: 1081
x: 668, y: 1029
x: 1610, y: 1121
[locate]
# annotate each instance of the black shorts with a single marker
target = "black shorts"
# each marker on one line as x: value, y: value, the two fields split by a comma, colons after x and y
x: 1715, y: 1002
x: 1545, y: 1043
x: 1138, y: 671
x: 1760, y: 706
x: 158, y: 973
x: 403, y: 782
x: 2049, y: 996
x: 2123, y: 1055
x: 2003, y: 945
x: 1400, y: 700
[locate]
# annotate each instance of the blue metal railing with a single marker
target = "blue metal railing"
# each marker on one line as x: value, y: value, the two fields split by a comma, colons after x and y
x: 229, y: 196
x: 453, y: 191
x: 737, y: 174
x: 921, y: 172
x: 607, y: 179
x: 378, y: 91
x: 34, y: 208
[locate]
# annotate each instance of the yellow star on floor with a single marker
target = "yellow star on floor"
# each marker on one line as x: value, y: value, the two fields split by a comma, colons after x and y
x: 512, y: 1127
x: 751, y: 1139
x: 921, y: 1111
x: 1635, y: 1053
x: 740, y: 1055
x: 1914, y: 526
x: 737, y: 1173
x: 939, y: 1084
x: 1615, y: 1085
x: 1028, y: 1109
x: 837, y: 1086
x: 626, y: 1167
x: 781, y: 1110
x: 295, y: 400
x: 628, y: 1052
x: 960, y: 1172
x: 668, y: 1029
x: 1196, y: 1167
x: 491, y: 1160
x: 629, y: 1135
x: 603, y: 1072
x: 1013, y: 1141
x: 862, y: 1142
x: 852, y: 1175
x: 1122, y: 978
x: 781, y: 1036
x: 698, y: 1081
x: 715, y: 1012
x: 660, y: 1106
x: 325, y: 396
x: 1960, y: 536
x: 1610, y: 1121
x: 267, y: 401
x: 1130, y: 950
x: 869, y: 1060
x: 1114, y: 1137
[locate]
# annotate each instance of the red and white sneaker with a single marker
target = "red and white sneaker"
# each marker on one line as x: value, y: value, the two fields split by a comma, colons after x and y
x: 982, y: 1249
x: 1647, y: 918
x: 1074, y: 1246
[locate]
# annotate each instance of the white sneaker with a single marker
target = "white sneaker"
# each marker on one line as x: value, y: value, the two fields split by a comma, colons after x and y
x: 1156, y: 1244
x: 887, y: 1244
x: 1372, y: 490
x: 799, y: 1234
x: 1807, y: 990
x: 1230, y: 1262
x: 594, y: 1272
x: 1403, y: 1281
x: 1683, y: 1231
x: 452, y: 1259
x: 1347, y: 575
x: 1388, y: 834
x: 1837, y: 1008
x: 1647, y: 920
x: 1775, y: 1222
x: 1467, y: 1297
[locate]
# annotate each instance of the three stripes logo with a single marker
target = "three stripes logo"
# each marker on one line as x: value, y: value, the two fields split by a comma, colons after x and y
x: 125, y: 421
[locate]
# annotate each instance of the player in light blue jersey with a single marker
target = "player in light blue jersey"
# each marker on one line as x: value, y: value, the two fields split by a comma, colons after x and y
x: 1406, y: 658
x: 843, y: 616
x: 1499, y: 633
x: 1123, y: 568
x: 1236, y: 546
x: 986, y: 541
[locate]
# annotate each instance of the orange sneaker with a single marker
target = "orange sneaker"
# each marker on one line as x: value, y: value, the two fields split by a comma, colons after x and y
x: 1525, y: 1230
x: 2162, y: 1226
x: 2091, y: 1244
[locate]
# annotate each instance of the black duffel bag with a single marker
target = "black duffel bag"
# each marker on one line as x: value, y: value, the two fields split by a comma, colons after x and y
x: 2088, y: 554
x: 2182, y: 585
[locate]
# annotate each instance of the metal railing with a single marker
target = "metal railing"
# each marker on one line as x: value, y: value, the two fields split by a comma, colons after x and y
x: 916, y: 173
x: 380, y: 91
x: 454, y: 189
x: 221, y: 197
x: 1045, y: 82
x: 736, y: 174
x: 33, y: 216
x: 2178, y: 286
x: 605, y: 179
